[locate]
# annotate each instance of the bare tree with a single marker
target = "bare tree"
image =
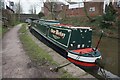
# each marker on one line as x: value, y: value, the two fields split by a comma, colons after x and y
x: 86, y: 13
x: 53, y: 8
x: 18, y: 8
x: 32, y: 9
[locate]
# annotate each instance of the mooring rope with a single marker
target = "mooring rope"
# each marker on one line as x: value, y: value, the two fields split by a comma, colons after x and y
x: 102, y: 70
x: 103, y: 73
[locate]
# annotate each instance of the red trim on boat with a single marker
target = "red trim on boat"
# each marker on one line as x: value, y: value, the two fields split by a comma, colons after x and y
x: 81, y: 63
x: 83, y: 51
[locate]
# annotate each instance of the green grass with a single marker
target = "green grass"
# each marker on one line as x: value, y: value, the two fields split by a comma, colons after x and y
x: 32, y: 49
x: 16, y: 22
x: 80, y: 21
x: 3, y: 30
x: 111, y: 31
x: 66, y: 74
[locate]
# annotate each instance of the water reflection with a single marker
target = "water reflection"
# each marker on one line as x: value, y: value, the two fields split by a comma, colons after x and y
x: 109, y: 50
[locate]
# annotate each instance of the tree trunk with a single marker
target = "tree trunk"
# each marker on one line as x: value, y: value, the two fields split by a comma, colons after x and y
x: 86, y: 13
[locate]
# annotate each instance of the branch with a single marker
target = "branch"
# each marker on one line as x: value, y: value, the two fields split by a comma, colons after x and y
x: 47, y: 7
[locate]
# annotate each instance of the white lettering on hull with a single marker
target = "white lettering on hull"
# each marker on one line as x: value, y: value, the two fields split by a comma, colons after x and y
x: 58, y: 33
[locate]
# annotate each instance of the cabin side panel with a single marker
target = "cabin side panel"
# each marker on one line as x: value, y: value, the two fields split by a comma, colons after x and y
x: 60, y: 36
x: 80, y: 38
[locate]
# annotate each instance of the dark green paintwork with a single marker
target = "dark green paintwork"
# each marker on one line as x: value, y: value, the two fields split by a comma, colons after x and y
x: 80, y: 38
x: 73, y: 39
x: 62, y: 41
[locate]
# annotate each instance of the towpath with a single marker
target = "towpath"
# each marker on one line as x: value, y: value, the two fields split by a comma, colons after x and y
x: 14, y: 63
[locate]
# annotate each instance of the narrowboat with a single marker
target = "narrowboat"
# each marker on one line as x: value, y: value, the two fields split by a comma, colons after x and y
x: 76, y: 41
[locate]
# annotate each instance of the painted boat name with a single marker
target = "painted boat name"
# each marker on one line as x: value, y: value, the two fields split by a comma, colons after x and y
x: 58, y: 33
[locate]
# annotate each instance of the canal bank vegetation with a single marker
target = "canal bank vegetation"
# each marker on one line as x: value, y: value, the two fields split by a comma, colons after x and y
x: 7, y: 27
x: 108, y: 22
x: 37, y: 54
x: 110, y: 29
x: 32, y: 49
x: 8, y: 20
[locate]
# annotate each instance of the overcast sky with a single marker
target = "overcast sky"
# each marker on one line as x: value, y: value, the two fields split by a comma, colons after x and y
x: 27, y: 3
x: 39, y: 3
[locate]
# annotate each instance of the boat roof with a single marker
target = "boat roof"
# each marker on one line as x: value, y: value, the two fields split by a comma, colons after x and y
x: 51, y: 21
x: 71, y: 26
x: 58, y: 24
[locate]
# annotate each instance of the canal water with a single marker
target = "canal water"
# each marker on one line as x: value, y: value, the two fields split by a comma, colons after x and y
x: 109, y: 50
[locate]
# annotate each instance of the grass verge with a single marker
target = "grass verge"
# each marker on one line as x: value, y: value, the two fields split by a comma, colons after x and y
x: 3, y: 30
x: 97, y: 26
x: 32, y: 49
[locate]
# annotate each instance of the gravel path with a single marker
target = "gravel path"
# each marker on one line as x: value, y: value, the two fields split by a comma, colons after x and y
x: 15, y: 61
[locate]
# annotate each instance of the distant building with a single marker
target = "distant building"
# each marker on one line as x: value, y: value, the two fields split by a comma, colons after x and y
x: 74, y: 12
x: 92, y: 8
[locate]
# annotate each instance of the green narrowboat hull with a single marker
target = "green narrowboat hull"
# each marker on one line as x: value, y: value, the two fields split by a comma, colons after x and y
x: 76, y: 41
x: 64, y: 37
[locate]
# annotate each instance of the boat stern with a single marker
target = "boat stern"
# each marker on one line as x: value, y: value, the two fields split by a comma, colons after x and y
x: 84, y: 58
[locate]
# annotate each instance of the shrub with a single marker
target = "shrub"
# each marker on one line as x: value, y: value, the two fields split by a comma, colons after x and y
x: 41, y: 14
x: 109, y: 17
